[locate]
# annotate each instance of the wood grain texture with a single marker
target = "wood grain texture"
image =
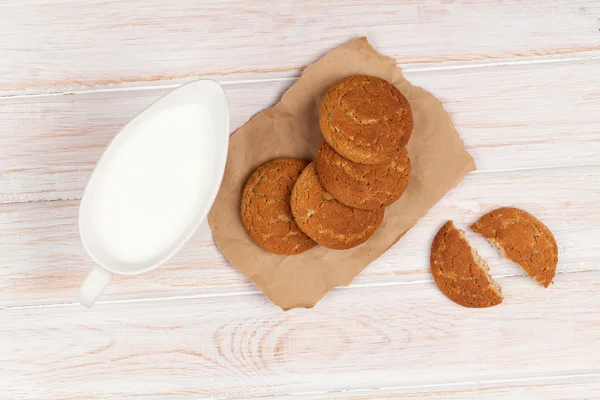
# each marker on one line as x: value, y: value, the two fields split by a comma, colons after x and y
x: 548, y: 388
x: 243, y: 346
x: 521, y: 82
x: 50, y: 146
x: 510, y: 117
x: 42, y: 260
x: 51, y: 45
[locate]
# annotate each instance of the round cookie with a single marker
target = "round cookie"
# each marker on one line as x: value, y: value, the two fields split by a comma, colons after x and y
x: 326, y: 220
x: 459, y: 272
x: 365, y: 119
x: 523, y: 239
x: 266, y: 210
x: 363, y: 186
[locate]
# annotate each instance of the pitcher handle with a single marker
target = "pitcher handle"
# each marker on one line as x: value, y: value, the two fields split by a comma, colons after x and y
x: 93, y: 286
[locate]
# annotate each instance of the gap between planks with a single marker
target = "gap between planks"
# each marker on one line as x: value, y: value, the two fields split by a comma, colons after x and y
x: 249, y: 347
x: 432, y: 388
x: 173, y: 83
x: 90, y: 45
x: 249, y: 289
x: 26, y: 200
x: 517, y: 101
x: 42, y: 246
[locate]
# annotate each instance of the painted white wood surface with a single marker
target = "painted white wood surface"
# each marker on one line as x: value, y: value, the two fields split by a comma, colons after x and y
x: 548, y: 388
x: 50, y: 45
x: 354, y: 339
x: 42, y: 260
x: 521, y: 80
x: 510, y: 117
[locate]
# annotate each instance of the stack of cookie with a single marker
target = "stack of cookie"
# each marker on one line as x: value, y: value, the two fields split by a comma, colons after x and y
x: 338, y: 201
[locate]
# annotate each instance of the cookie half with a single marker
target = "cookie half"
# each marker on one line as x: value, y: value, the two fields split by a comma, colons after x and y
x: 365, y: 119
x: 363, y: 186
x: 266, y: 210
x: 459, y: 272
x: 326, y: 220
x: 523, y: 239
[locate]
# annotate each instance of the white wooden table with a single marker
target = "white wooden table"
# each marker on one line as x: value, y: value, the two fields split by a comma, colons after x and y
x: 522, y: 82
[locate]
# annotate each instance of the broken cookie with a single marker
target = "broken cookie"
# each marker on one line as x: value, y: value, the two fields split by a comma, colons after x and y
x: 523, y: 239
x: 459, y: 272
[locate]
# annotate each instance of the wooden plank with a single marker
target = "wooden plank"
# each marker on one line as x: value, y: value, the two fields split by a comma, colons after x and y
x: 547, y: 388
x: 42, y: 260
x: 49, y: 145
x: 51, y: 45
x: 354, y: 339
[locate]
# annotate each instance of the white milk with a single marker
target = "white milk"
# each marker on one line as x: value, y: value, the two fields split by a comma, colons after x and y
x: 153, y: 184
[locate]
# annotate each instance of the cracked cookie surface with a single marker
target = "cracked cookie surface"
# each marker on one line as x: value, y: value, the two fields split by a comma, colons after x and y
x: 459, y: 272
x: 365, y: 119
x: 266, y: 210
x: 523, y: 239
x: 326, y: 220
x: 363, y: 186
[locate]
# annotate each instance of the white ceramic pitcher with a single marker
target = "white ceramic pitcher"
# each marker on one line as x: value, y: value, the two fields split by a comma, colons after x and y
x: 154, y: 184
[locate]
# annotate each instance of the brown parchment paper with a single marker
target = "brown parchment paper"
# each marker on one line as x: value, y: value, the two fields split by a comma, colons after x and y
x: 290, y: 128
